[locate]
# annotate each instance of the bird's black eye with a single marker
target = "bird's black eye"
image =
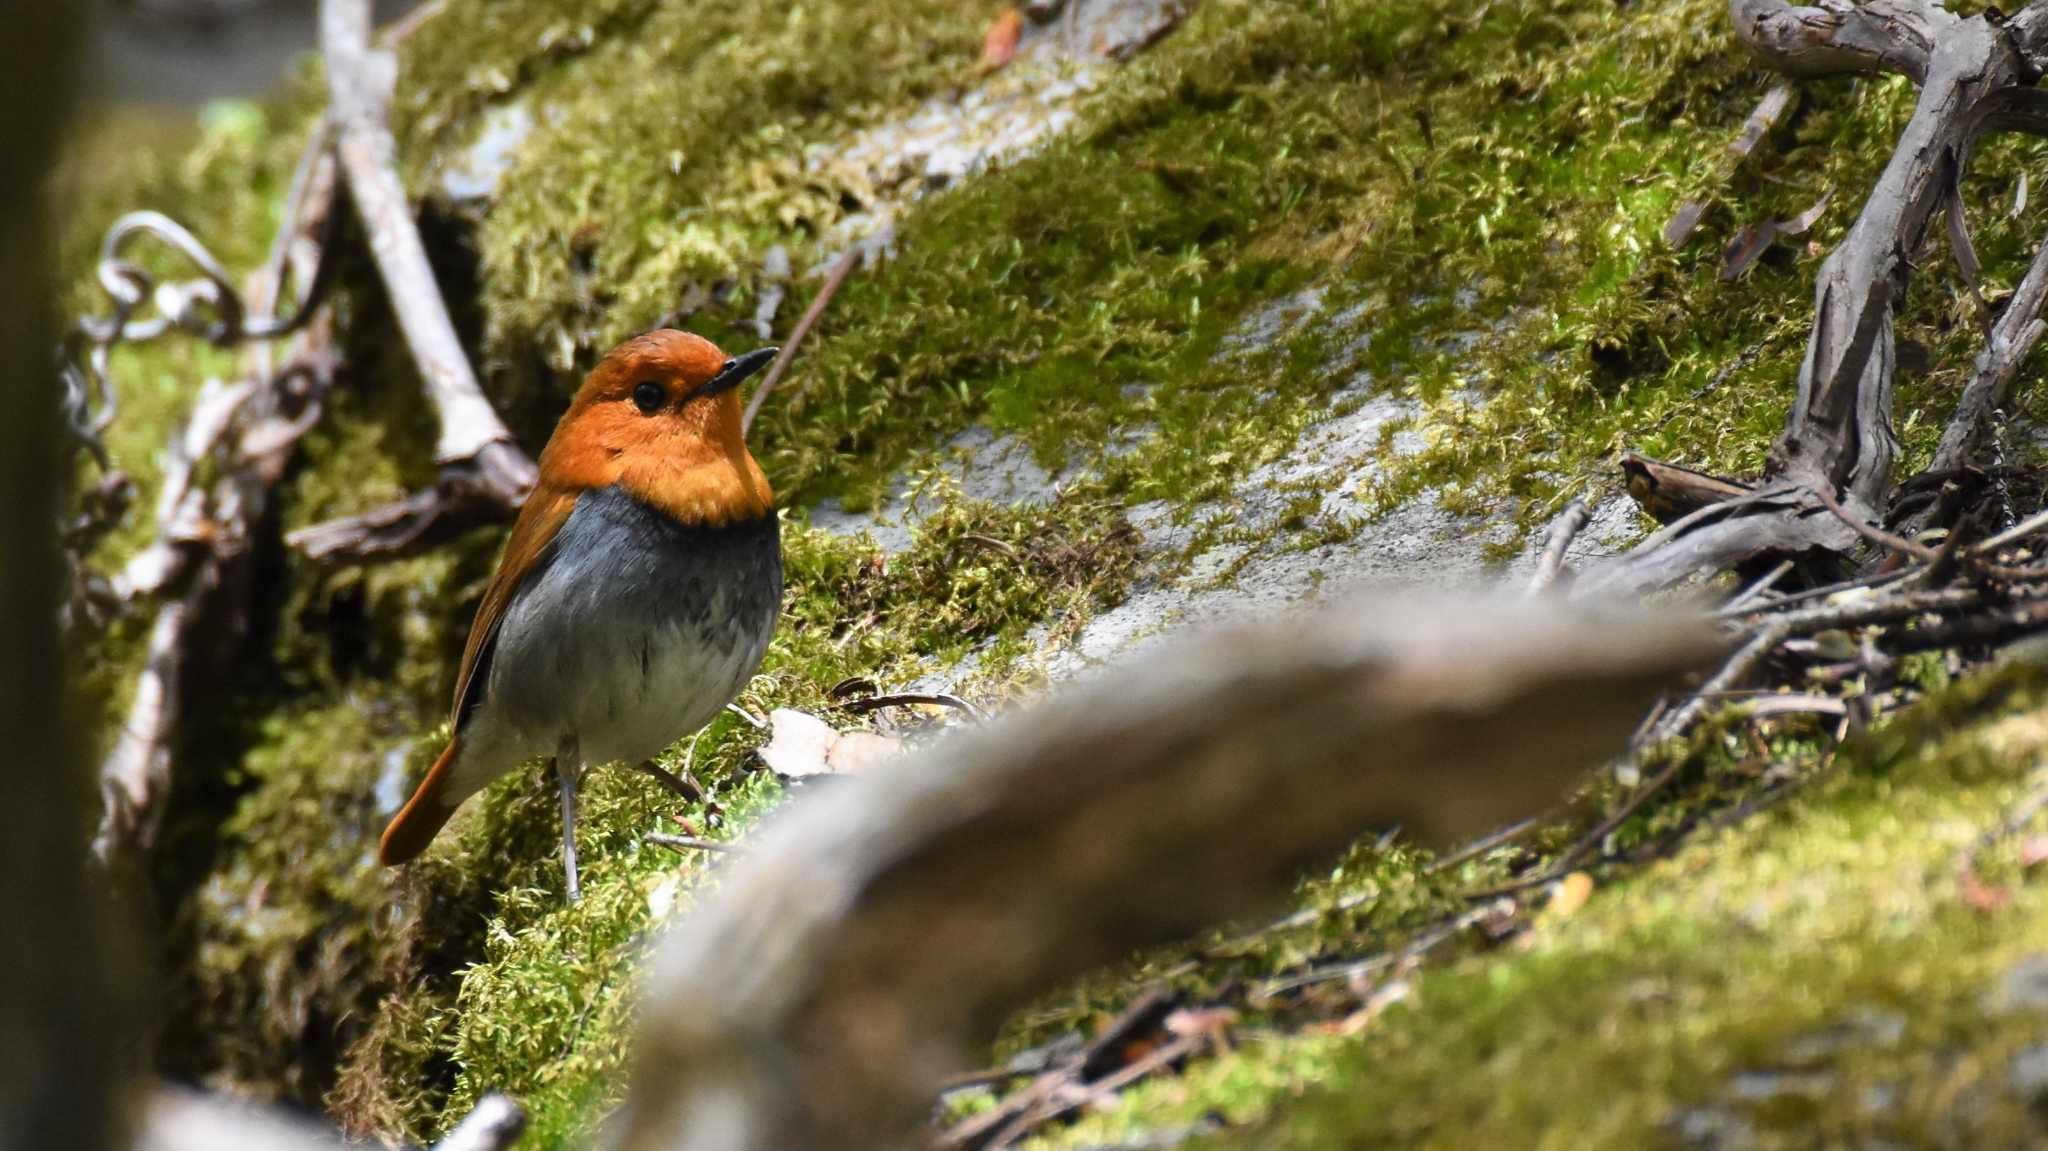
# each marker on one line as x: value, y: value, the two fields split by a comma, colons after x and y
x: 649, y: 396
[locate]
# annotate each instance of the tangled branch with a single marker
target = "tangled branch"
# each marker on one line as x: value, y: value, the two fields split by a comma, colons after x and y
x: 1976, y: 75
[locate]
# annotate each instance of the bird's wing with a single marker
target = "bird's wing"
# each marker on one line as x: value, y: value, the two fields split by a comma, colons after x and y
x: 540, y: 520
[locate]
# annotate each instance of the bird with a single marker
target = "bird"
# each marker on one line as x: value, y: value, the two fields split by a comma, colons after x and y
x: 636, y: 594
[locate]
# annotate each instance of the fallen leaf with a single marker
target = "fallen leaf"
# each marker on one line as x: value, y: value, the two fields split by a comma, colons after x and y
x: 1212, y: 1022
x: 999, y: 46
x: 857, y: 751
x: 1571, y: 894
x: 800, y: 745
x: 1753, y: 240
x: 1981, y: 896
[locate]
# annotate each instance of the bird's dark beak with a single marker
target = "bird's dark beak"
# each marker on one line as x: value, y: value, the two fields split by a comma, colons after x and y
x: 739, y: 368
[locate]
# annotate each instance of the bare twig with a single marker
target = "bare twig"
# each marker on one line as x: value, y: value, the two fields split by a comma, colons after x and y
x: 1739, y: 665
x: 1354, y: 970
x: 201, y: 557
x: 484, y: 473
x: 1484, y: 844
x: 2031, y: 525
x: 1761, y: 119
x: 2018, y: 328
x: 1755, y: 592
x: 1563, y: 530
x: 1793, y: 599
x: 691, y: 843
x: 1872, y: 532
x: 911, y: 699
x: 1165, y: 1055
x: 840, y: 271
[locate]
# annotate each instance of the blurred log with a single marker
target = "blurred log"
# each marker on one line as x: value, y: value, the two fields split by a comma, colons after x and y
x: 60, y: 1020
x: 871, y: 935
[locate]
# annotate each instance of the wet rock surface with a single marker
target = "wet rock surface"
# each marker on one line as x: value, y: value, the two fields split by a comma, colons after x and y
x: 1248, y: 554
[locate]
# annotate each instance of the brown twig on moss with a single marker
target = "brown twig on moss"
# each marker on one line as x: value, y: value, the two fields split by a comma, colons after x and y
x: 848, y: 260
x: 1563, y: 530
x: 912, y: 699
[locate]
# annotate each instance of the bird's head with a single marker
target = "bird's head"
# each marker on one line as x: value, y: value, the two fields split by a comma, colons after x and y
x: 660, y: 416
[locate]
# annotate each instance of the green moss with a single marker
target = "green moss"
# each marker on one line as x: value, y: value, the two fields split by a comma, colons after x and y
x: 670, y: 149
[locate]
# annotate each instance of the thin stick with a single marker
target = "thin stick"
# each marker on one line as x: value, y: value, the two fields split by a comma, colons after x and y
x: 691, y: 843
x: 2013, y: 534
x: 1066, y: 1103
x: 1872, y: 532
x: 1874, y: 580
x: 1756, y: 591
x: 1484, y: 844
x: 804, y: 323
x: 1563, y: 530
x: 1766, y: 639
x: 907, y: 698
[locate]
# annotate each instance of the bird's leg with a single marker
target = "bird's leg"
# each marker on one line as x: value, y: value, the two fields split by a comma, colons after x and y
x: 568, y: 769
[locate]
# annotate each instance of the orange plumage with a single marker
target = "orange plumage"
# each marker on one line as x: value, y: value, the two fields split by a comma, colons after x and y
x: 675, y: 511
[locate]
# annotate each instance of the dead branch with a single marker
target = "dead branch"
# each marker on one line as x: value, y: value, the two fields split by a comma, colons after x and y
x: 2018, y: 328
x: 1563, y: 530
x: 1837, y: 36
x: 1839, y: 437
x: 484, y: 473
x: 838, y: 972
x: 1669, y: 492
x: 202, y: 555
x: 1759, y: 124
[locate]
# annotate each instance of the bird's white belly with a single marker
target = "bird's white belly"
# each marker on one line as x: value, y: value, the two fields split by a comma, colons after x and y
x: 630, y: 715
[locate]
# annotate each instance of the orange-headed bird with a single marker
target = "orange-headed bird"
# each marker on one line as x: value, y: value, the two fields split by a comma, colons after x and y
x: 637, y: 592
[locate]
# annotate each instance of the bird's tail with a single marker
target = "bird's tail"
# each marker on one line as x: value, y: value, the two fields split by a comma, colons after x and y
x: 414, y: 827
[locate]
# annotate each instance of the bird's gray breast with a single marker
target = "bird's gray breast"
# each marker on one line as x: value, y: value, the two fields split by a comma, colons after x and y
x: 635, y: 629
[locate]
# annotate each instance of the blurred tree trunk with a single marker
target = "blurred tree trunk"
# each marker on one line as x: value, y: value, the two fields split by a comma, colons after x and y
x: 56, y: 1011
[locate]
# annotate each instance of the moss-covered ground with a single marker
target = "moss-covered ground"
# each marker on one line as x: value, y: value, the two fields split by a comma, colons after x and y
x: 1478, y: 188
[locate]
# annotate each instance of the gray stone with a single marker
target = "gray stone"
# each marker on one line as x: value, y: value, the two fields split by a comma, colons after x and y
x: 2027, y: 1074
x: 474, y: 173
x: 2025, y: 986
x: 1712, y: 1129
x: 1764, y: 1086
x: 1862, y: 1028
